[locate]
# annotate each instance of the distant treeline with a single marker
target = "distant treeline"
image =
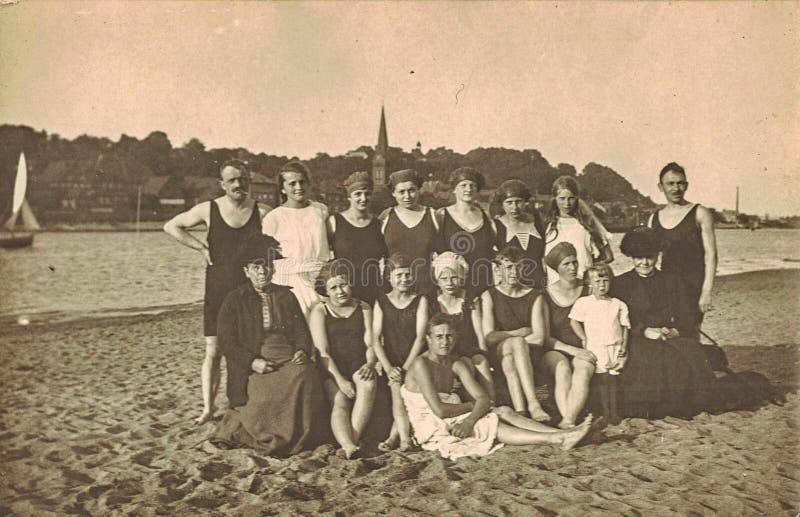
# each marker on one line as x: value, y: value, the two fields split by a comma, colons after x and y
x: 137, y: 161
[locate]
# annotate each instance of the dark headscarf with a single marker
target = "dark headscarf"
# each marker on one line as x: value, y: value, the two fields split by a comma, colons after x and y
x: 259, y: 248
x: 404, y: 175
x: 512, y: 188
x: 467, y: 173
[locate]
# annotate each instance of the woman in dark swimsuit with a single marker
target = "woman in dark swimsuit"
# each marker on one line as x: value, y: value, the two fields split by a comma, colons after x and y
x: 357, y: 239
x: 521, y: 228
x: 563, y: 357
x: 341, y: 328
x: 465, y: 229
x: 410, y: 228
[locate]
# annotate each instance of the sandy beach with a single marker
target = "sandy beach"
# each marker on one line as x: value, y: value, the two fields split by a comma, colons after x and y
x: 97, y: 419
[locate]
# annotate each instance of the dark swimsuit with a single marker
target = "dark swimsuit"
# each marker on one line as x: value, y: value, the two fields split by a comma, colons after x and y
x: 476, y: 247
x: 225, y: 273
x: 399, y: 329
x: 363, y: 248
x: 417, y: 243
x: 346, y: 340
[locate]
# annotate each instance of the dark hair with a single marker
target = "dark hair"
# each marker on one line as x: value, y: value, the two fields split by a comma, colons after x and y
x: 641, y: 242
x: 290, y: 166
x: 332, y: 269
x: 671, y: 167
x: 510, y: 253
x: 441, y: 319
x: 239, y: 165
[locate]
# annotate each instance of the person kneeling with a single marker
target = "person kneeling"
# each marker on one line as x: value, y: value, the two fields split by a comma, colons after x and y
x: 443, y: 423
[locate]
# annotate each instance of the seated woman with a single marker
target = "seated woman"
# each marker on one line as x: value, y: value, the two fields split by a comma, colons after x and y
x: 507, y: 318
x: 563, y: 356
x: 275, y: 398
x: 667, y: 372
x: 450, y: 272
x: 341, y: 328
x: 455, y: 429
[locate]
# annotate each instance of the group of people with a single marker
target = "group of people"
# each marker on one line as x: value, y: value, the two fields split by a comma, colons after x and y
x: 454, y: 315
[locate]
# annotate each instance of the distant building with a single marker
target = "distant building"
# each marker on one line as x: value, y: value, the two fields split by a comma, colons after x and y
x: 263, y: 189
x: 381, y: 151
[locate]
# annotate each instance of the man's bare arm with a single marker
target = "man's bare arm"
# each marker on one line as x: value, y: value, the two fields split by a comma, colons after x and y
x: 706, y: 222
x: 179, y: 225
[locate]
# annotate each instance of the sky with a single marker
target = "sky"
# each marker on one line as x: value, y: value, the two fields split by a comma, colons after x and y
x: 633, y: 86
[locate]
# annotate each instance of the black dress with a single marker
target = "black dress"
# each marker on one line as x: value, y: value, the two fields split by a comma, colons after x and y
x: 363, y: 249
x: 277, y: 413
x: 669, y: 377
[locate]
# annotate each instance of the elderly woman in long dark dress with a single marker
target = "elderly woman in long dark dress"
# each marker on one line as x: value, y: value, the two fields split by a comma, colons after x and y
x: 276, y: 402
x: 667, y: 372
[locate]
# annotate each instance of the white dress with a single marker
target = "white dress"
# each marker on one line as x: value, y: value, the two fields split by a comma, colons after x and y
x: 303, y: 238
x: 572, y: 231
x: 602, y: 322
x: 431, y: 433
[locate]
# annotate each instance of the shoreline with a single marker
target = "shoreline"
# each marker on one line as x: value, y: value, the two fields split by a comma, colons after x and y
x: 729, y: 285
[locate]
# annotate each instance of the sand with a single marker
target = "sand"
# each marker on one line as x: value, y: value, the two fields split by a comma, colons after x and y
x: 97, y: 418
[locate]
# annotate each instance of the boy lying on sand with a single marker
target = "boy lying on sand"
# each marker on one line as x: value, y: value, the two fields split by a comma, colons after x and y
x: 443, y: 423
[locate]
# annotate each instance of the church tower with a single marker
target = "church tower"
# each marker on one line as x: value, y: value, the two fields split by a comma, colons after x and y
x: 379, y: 160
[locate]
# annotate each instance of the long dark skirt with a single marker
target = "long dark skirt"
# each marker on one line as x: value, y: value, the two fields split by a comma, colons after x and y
x: 667, y: 378
x: 286, y: 410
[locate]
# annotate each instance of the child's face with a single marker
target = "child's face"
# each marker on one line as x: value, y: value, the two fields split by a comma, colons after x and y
x: 401, y: 279
x: 449, y: 282
x: 566, y: 202
x: 599, y: 284
x: 339, y: 290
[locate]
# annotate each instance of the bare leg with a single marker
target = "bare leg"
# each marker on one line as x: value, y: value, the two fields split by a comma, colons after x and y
x: 209, y: 379
x: 582, y: 372
x: 362, y: 409
x: 401, y: 421
x: 512, y: 380
x: 522, y: 361
x: 568, y: 439
x: 340, y: 419
x: 557, y: 364
x: 484, y: 375
x: 511, y: 417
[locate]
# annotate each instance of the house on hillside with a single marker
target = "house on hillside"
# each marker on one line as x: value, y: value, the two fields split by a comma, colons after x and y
x: 263, y: 189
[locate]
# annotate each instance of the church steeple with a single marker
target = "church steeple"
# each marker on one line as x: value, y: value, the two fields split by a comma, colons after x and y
x: 381, y: 150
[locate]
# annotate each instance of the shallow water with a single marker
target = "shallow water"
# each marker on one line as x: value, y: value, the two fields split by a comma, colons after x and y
x: 71, y: 275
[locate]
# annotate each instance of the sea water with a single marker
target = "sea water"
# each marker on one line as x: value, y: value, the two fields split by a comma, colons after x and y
x: 82, y: 274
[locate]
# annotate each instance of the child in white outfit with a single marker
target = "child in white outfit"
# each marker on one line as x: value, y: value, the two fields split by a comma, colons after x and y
x: 602, y: 323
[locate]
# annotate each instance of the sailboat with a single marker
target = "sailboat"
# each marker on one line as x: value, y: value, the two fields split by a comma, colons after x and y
x: 20, y: 209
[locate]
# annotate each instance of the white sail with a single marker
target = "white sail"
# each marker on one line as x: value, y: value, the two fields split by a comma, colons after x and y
x: 20, y: 184
x: 18, y: 203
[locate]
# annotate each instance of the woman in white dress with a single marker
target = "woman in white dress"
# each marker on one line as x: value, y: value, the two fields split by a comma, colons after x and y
x: 299, y: 226
x: 570, y: 219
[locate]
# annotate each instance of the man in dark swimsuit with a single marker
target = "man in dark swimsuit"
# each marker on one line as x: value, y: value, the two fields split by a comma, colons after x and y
x: 230, y: 219
x: 686, y: 231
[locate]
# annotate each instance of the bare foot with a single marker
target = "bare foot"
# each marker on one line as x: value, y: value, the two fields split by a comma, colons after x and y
x: 405, y: 445
x: 352, y: 453
x: 207, y: 416
x: 566, y: 424
x: 538, y: 414
x: 388, y: 444
x: 571, y: 437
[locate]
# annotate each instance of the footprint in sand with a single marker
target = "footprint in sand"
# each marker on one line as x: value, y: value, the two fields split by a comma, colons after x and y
x: 214, y: 471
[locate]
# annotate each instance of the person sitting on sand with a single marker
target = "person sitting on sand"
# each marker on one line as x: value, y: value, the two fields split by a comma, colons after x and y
x: 341, y: 327
x: 602, y: 323
x: 456, y: 429
x: 667, y: 372
x: 274, y: 391
x: 507, y: 309
x: 399, y: 334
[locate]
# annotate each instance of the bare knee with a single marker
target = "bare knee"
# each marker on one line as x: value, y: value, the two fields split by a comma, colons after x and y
x: 364, y: 386
x: 582, y: 367
x: 504, y: 412
x: 520, y: 346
